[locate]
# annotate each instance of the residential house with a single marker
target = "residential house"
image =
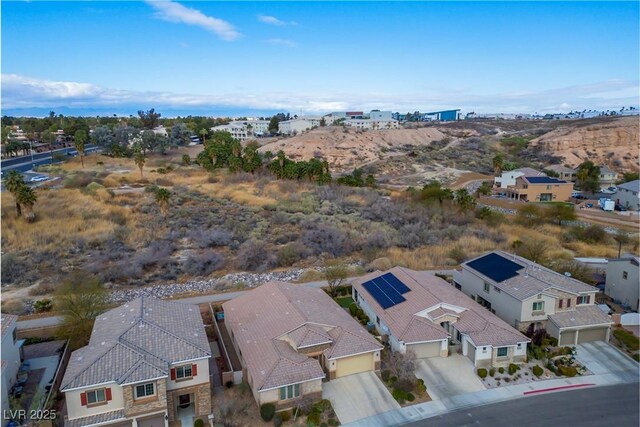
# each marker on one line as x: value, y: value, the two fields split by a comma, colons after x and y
x: 564, y: 173
x: 523, y: 293
x: 419, y: 312
x: 11, y: 358
x: 540, y: 189
x: 291, y: 337
x: 146, y: 364
x: 622, y: 280
x: 607, y: 177
x: 508, y: 178
x: 628, y: 195
x: 238, y: 130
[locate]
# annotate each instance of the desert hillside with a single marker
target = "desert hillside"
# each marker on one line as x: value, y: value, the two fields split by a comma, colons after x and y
x: 613, y: 142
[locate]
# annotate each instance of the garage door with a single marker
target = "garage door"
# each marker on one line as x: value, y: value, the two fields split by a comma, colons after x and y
x: 157, y: 421
x: 354, y: 365
x: 471, y: 352
x: 588, y: 335
x: 427, y: 349
x: 567, y: 338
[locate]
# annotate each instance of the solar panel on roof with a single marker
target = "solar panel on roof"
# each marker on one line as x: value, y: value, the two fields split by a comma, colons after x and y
x: 377, y: 294
x: 388, y: 290
x: 400, y: 287
x: 544, y: 180
x: 496, y: 267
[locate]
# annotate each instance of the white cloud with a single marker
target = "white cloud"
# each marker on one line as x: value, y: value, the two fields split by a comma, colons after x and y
x: 272, y: 20
x: 281, y: 42
x: 175, y: 12
x: 27, y: 92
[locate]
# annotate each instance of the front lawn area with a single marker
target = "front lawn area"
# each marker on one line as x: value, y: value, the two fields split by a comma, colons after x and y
x: 344, y: 302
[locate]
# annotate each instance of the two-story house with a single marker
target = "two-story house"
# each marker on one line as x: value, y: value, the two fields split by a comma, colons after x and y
x: 540, y: 189
x: 146, y: 364
x: 523, y: 293
x: 564, y: 173
x: 290, y: 338
x: 622, y: 280
x: 421, y: 313
x: 508, y: 178
x: 607, y: 177
x: 628, y: 195
x: 11, y: 357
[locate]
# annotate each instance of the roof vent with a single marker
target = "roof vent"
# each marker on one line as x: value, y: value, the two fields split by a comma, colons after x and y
x: 566, y: 273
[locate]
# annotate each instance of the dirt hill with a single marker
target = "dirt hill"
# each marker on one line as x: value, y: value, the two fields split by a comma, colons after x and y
x: 613, y: 142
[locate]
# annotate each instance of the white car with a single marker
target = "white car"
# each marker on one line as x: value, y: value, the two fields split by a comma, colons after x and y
x: 39, y: 178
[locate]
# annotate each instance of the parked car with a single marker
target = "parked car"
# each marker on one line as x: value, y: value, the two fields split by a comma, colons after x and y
x: 39, y: 178
x: 588, y: 205
x: 620, y: 208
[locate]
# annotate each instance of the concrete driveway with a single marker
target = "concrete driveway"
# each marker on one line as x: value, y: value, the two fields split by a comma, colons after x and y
x: 602, y: 358
x: 358, y: 396
x: 448, y: 376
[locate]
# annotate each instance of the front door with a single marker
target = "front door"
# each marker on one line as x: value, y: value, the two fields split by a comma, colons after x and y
x: 184, y: 400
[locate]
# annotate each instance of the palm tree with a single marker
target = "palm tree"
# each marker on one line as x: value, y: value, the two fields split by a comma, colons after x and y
x: 13, y: 184
x: 162, y: 198
x: 80, y: 138
x: 498, y: 163
x: 27, y: 198
x: 204, y: 133
x: 140, y: 160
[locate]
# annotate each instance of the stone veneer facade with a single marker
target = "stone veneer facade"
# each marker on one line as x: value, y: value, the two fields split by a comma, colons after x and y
x: 202, y: 399
x: 133, y: 407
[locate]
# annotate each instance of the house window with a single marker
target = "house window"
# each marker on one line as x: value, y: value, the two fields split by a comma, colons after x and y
x: 583, y: 300
x: 458, y: 336
x: 95, y: 397
x: 625, y: 275
x: 560, y: 303
x: 538, y: 306
x: 503, y: 351
x: 486, y: 287
x: 289, y: 392
x: 519, y: 345
x: 145, y: 390
x: 183, y: 372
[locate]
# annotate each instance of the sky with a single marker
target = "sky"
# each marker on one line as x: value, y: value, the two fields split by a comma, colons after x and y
x: 243, y: 58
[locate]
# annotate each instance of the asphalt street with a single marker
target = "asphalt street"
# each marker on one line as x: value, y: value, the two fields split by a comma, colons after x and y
x: 600, y: 406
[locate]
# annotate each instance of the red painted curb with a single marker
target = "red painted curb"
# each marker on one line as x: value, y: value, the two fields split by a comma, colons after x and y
x: 564, y: 387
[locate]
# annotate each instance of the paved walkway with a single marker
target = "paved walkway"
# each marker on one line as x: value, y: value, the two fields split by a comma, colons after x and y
x: 604, y: 374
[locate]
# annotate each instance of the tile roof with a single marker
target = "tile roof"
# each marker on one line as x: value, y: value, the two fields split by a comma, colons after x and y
x: 581, y: 316
x: 530, y: 172
x: 430, y: 296
x: 561, y: 169
x: 96, y: 419
x: 631, y: 186
x: 6, y: 322
x: 272, y: 318
x: 138, y: 341
x: 532, y: 279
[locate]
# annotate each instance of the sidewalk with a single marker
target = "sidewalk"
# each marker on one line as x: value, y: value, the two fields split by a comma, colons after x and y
x: 484, y: 397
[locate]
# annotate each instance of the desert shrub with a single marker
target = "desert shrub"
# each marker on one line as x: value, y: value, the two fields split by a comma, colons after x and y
x: 627, y: 338
x: 165, y: 182
x: 381, y: 264
x: 156, y: 253
x: 333, y: 422
x: 285, y: 415
x: 313, y: 419
x: 290, y: 254
x: 405, y: 384
x: 277, y: 420
x: 501, y: 370
x: 353, y: 309
x: 420, y: 387
x: 512, y: 368
x: 457, y: 254
x: 482, y: 372
x: 78, y: 180
x: 92, y: 188
x: 14, y: 269
x: 252, y: 255
x: 161, y: 170
x: 537, y: 370
x: 267, y: 411
x: 43, y: 305
x: 410, y: 397
x: 212, y: 237
x: 492, y: 372
x: 568, y: 371
x: 198, y: 423
x: 386, y: 374
x: 41, y: 289
x: 204, y: 264
x: 399, y: 395
x: 393, y: 380
x: 13, y: 307
x: 321, y: 238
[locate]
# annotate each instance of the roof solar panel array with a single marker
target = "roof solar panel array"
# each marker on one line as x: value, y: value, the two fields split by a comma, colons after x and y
x: 387, y: 290
x: 544, y: 180
x: 496, y: 267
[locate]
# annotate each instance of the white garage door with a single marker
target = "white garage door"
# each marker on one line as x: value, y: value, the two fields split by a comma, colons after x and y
x: 567, y: 338
x: 588, y: 335
x: 354, y: 365
x: 427, y: 349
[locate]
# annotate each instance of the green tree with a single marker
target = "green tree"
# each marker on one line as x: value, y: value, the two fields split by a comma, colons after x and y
x: 588, y: 177
x: 273, y: 125
x: 561, y: 212
x: 464, y: 200
x: 335, y: 275
x: 138, y: 158
x: 533, y: 249
x: 186, y: 159
x: 251, y: 160
x: 434, y: 191
x: 79, y: 140
x: 149, y: 119
x: 26, y: 197
x: 13, y: 184
x: 79, y: 300
x: 203, y: 133
x: 529, y: 215
x: 162, y: 199
x: 484, y: 189
x: 498, y: 162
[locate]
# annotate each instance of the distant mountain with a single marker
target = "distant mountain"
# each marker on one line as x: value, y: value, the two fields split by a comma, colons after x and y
x: 133, y: 110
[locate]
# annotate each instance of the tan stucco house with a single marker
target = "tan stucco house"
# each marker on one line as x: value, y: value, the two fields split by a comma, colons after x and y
x: 291, y: 337
x: 419, y: 312
x: 540, y: 189
x: 523, y: 293
x: 146, y: 364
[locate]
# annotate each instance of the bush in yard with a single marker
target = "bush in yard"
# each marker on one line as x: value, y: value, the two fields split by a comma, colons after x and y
x: 420, y: 387
x: 285, y: 416
x: 568, y: 371
x: 353, y: 308
x: 492, y: 372
x: 392, y: 380
x: 229, y: 384
x: 277, y: 420
x: 512, y: 368
x: 410, y: 397
x: 43, y: 305
x: 385, y: 375
x: 501, y: 370
x: 267, y: 411
x: 405, y: 385
x: 313, y: 419
x: 399, y: 395
x: 333, y: 422
x: 482, y: 373
x: 537, y: 370
x: 198, y: 423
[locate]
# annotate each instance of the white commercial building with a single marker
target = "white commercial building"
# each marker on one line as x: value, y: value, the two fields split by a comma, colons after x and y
x: 299, y: 125
x: 373, y: 124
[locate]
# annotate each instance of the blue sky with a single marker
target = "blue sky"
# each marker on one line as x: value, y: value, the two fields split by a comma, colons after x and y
x: 223, y: 58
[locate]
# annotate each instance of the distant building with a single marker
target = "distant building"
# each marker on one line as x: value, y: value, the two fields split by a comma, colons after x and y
x: 508, y: 178
x: 11, y: 358
x: 565, y: 173
x: 607, y: 177
x: 628, y: 195
x: 299, y: 125
x: 540, y: 189
x: 622, y: 280
x: 440, y: 116
x: 238, y: 130
x: 160, y: 130
x: 373, y: 124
